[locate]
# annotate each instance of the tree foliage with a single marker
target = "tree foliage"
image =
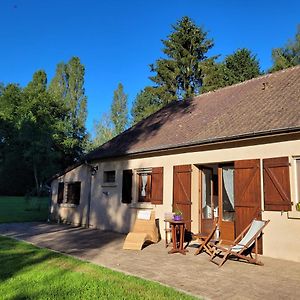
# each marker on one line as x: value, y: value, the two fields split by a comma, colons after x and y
x: 115, y: 122
x: 41, y: 129
x: 146, y: 103
x: 179, y: 75
x: 240, y: 66
x: 67, y: 88
x: 119, y: 110
x: 287, y: 56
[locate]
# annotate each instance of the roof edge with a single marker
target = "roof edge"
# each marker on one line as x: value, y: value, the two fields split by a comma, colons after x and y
x: 210, y: 141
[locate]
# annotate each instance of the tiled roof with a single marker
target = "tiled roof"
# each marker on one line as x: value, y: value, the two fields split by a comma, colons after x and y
x: 261, y: 105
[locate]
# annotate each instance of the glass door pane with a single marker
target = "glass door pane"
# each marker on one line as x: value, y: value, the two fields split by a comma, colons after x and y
x: 228, y: 211
x: 207, y: 191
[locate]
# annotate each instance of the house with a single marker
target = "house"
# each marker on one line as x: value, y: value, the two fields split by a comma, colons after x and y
x: 233, y: 154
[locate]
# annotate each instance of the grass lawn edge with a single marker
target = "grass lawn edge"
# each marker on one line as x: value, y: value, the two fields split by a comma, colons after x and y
x: 102, y: 266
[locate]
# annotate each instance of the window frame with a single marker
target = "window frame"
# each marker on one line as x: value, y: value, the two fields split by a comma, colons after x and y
x: 106, y: 182
x: 77, y: 197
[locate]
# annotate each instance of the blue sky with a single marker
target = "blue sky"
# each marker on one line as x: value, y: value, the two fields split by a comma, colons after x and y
x: 117, y: 40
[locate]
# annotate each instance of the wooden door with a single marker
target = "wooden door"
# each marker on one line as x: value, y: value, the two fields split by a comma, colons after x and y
x: 182, y: 191
x: 206, y: 203
x: 247, y: 190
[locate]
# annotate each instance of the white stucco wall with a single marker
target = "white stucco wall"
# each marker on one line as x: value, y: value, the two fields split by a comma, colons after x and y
x: 108, y: 213
x: 76, y: 214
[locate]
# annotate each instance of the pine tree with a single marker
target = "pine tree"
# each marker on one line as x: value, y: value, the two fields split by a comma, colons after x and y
x: 180, y: 75
x: 146, y: 103
x: 240, y: 66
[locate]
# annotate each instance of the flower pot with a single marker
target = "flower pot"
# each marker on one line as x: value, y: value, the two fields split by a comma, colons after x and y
x: 177, y: 218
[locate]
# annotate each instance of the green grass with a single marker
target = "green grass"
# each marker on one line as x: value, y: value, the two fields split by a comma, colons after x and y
x: 22, y: 209
x: 28, y: 272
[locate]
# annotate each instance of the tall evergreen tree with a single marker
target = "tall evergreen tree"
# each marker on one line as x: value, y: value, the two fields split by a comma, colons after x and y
x: 179, y: 76
x: 119, y: 110
x: 240, y: 66
x: 146, y: 103
x: 67, y: 87
x: 287, y: 56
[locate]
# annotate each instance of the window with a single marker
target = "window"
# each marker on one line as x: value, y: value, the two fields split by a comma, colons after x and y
x: 127, y: 186
x: 228, y: 212
x: 109, y: 177
x: 73, y: 194
x: 150, y: 185
x: 60, y: 193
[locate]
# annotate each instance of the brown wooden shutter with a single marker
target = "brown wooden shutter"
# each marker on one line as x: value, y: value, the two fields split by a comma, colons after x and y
x: 60, y: 192
x: 127, y: 186
x: 277, y: 196
x: 157, y: 185
x: 247, y: 193
x: 182, y: 191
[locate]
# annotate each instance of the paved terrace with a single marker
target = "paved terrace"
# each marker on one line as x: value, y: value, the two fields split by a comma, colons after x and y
x: 277, y: 279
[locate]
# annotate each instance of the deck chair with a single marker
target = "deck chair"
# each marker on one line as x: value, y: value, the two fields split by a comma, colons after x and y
x: 207, y: 241
x: 144, y: 230
x: 243, y: 244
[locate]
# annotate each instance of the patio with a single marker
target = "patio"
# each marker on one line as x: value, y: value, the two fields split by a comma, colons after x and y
x: 277, y: 279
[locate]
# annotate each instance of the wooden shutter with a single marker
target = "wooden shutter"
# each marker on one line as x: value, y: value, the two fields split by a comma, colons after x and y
x: 247, y: 193
x: 60, y: 192
x: 157, y: 185
x: 127, y: 186
x: 277, y: 194
x: 182, y: 191
x: 73, y: 195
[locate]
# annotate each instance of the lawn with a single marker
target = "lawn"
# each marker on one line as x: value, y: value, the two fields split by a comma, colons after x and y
x: 22, y: 209
x: 28, y: 272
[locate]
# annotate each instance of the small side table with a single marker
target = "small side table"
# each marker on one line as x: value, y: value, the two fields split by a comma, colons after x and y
x: 177, y: 245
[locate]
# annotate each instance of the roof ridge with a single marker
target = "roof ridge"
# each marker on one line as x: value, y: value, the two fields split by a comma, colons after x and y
x: 274, y: 74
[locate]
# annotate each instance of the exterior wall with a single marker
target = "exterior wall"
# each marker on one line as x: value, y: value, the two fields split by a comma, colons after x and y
x: 108, y: 213
x: 75, y: 214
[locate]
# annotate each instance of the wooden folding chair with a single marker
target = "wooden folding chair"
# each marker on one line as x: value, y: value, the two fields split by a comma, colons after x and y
x: 242, y: 245
x: 207, y: 241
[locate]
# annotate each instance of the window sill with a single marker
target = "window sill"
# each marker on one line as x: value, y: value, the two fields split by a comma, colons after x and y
x: 112, y: 184
x: 68, y: 205
x: 141, y: 205
x: 295, y: 214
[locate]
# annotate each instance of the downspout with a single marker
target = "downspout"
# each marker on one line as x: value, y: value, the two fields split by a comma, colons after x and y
x: 92, y: 172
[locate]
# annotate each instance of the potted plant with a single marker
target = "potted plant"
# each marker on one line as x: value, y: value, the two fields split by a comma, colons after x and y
x: 177, y: 215
x: 298, y: 206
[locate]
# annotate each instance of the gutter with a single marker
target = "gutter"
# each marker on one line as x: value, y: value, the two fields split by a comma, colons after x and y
x: 219, y: 140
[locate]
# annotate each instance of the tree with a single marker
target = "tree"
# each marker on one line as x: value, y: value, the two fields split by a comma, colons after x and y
x: 240, y: 66
x: 37, y: 118
x: 14, y: 176
x: 146, y: 103
x: 287, y: 56
x: 115, y: 122
x: 103, y: 131
x: 180, y: 75
x: 119, y: 110
x: 67, y: 87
